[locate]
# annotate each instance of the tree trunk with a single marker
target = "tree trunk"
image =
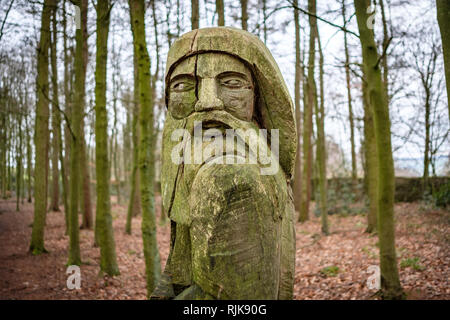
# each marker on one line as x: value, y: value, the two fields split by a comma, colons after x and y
x: 385, y: 44
x: 19, y: 163
x: 350, y: 107
x: 134, y: 204
x: 85, y: 185
x: 146, y: 146
x: 426, y: 156
x: 264, y: 10
x: 390, y: 283
x: 54, y: 204
x: 321, y: 153
x: 297, y: 186
x: 41, y: 135
x: 67, y: 134
x: 308, y: 110
x: 194, y: 14
x: 29, y: 155
x: 370, y: 155
x: 108, y: 261
x: 76, y: 145
x: 3, y: 155
x: 220, y: 12
x: 443, y: 17
x: 57, y: 116
x: 244, y: 14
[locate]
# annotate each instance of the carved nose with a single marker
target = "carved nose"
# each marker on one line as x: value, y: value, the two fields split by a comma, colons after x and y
x: 208, y: 99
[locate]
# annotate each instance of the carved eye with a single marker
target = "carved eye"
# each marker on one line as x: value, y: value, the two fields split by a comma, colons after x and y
x: 181, y: 86
x: 233, y: 83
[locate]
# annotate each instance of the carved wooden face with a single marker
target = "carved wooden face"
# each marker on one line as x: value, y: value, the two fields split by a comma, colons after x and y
x: 211, y: 81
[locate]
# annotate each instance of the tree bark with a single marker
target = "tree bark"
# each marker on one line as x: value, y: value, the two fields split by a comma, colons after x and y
x: 85, y: 191
x: 264, y: 11
x: 426, y: 156
x: 194, y: 14
x: 220, y: 12
x: 3, y: 155
x: 108, y: 261
x: 370, y: 156
x: 321, y: 153
x: 29, y: 155
x: 65, y: 163
x: 385, y: 44
x: 76, y: 145
x: 42, y: 133
x: 350, y: 107
x: 19, y: 162
x: 85, y: 184
x: 146, y: 147
x: 308, y: 110
x: 297, y: 185
x: 54, y: 204
x: 390, y: 283
x: 443, y: 17
x: 244, y: 14
x: 134, y: 206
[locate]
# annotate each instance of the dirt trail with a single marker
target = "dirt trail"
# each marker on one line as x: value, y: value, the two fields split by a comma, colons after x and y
x: 333, y: 267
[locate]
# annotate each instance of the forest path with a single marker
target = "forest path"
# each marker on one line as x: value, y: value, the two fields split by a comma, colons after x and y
x: 24, y: 276
x: 333, y: 267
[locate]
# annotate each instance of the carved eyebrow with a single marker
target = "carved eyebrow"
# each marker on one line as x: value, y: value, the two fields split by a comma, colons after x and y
x: 235, y: 74
x: 183, y: 76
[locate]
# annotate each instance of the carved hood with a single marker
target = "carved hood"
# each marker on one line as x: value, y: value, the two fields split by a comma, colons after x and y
x: 275, y: 104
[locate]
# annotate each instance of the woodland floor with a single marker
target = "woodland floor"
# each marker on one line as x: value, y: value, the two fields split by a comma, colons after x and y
x: 331, y: 267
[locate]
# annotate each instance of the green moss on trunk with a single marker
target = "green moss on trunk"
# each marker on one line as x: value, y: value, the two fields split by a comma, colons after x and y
x: 108, y: 261
x: 146, y: 146
x: 390, y: 283
x: 41, y: 133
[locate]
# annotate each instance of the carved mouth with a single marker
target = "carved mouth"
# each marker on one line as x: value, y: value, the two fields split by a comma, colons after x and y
x: 212, y: 124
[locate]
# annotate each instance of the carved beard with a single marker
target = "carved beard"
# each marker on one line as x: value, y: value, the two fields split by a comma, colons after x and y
x: 176, y: 179
x: 218, y: 120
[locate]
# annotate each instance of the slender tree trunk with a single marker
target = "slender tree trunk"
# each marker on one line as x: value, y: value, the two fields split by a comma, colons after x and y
x: 76, y: 145
x: 65, y: 163
x: 426, y: 156
x: 41, y: 135
x: 194, y: 14
x: 297, y: 186
x: 155, y: 79
x: 443, y: 17
x: 54, y: 205
x: 19, y: 163
x: 385, y: 44
x: 390, y: 283
x: 29, y: 155
x: 126, y: 151
x: 8, y: 155
x: 220, y: 12
x: 321, y: 153
x: 114, y: 145
x: 244, y: 14
x: 370, y: 155
x: 134, y: 204
x: 108, y: 261
x: 3, y: 155
x: 85, y: 185
x: 350, y: 107
x: 146, y: 147
x: 307, y: 125
x: 264, y: 11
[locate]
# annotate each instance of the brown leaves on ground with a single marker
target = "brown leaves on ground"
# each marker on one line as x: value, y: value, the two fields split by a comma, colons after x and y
x: 327, y: 267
